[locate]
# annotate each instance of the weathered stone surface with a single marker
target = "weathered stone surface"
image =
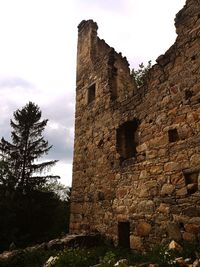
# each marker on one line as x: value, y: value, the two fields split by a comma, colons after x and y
x: 136, y: 150
x: 143, y: 229
x: 121, y: 209
x: 77, y: 208
x: 194, y: 220
x: 183, y: 262
x: 51, y: 261
x: 143, y: 192
x: 167, y: 189
x: 163, y: 208
x: 182, y: 191
x: 180, y: 219
x: 156, y: 169
x: 146, y: 206
x: 196, y: 263
x: 171, y: 166
x: 174, y: 231
x: 175, y: 246
x: 188, y: 237
x: 192, y: 211
x: 121, y: 263
x: 143, y: 174
x: 136, y: 243
x: 141, y: 147
x: 192, y: 228
x: 195, y: 160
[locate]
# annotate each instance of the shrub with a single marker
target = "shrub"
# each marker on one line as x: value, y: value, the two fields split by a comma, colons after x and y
x: 106, y: 256
x: 27, y: 259
x: 108, y: 260
x: 78, y: 257
x: 141, y: 74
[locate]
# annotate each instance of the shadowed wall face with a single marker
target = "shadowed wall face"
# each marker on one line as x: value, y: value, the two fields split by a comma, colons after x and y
x: 137, y: 150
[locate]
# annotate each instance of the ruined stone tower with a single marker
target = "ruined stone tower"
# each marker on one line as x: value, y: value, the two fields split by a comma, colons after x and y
x: 136, y: 170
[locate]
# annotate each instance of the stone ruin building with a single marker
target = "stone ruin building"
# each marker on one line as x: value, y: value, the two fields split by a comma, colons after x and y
x: 136, y: 169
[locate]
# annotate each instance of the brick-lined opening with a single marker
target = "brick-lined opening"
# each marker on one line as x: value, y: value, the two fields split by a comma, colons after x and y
x: 127, y: 139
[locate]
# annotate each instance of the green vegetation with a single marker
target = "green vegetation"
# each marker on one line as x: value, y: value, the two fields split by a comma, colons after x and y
x: 27, y: 146
x: 140, y: 74
x: 33, y: 207
x: 108, y: 260
x: 28, y: 259
x: 106, y: 256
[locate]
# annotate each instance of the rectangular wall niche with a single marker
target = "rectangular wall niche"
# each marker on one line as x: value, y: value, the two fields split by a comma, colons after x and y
x: 173, y: 135
x: 91, y: 93
x: 127, y: 139
x: 191, y: 181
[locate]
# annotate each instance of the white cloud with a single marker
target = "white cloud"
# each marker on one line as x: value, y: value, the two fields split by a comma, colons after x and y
x: 64, y: 170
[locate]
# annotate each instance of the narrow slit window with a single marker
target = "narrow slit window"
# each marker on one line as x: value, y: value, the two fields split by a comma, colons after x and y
x: 114, y: 84
x: 91, y: 93
x: 173, y: 135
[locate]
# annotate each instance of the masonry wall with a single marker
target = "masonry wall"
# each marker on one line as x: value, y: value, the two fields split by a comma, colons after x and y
x: 137, y: 150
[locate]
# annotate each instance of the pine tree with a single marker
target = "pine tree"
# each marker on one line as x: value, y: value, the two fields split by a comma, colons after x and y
x: 27, y: 146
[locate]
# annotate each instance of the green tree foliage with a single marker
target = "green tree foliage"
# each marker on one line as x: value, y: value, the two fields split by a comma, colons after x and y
x: 6, y: 178
x: 140, y: 74
x: 31, y: 218
x: 30, y: 211
x: 61, y: 190
x: 27, y: 146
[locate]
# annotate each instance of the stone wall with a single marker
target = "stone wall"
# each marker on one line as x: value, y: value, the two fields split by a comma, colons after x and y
x: 137, y: 150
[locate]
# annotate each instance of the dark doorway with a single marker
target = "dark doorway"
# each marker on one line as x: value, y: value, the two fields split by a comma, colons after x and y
x: 124, y: 234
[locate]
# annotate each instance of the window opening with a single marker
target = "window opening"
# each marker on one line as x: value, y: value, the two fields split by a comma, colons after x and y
x: 191, y: 181
x: 173, y: 135
x: 91, y: 93
x: 127, y: 139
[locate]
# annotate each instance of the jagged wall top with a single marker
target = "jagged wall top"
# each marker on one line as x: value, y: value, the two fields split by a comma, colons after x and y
x: 87, y: 23
x: 186, y: 19
x: 154, y: 191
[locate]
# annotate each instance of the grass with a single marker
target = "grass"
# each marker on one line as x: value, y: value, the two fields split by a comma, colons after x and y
x: 105, y: 255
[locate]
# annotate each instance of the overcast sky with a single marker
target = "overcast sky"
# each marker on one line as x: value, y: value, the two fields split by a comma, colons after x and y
x: 38, y: 40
